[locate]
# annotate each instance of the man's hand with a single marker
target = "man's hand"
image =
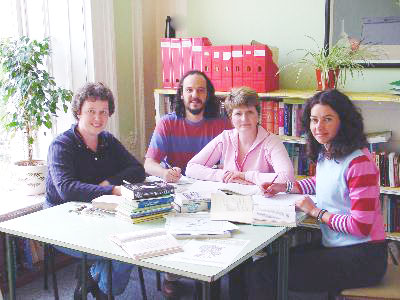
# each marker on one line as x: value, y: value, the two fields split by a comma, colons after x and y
x: 117, y: 190
x: 172, y: 175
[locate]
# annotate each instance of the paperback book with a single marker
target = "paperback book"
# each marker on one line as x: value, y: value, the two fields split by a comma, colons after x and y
x: 147, y: 243
x: 146, y: 189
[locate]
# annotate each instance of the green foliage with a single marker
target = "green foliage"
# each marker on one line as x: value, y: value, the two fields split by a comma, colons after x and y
x: 346, y: 55
x: 30, y: 95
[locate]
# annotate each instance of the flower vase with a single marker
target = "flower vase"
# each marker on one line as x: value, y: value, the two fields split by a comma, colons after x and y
x: 327, y: 83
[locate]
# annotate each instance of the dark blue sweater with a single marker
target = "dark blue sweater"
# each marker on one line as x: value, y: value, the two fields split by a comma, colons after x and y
x: 75, y: 171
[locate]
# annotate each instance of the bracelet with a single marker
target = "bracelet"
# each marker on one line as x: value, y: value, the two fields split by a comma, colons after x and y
x: 320, y: 214
x: 289, y: 186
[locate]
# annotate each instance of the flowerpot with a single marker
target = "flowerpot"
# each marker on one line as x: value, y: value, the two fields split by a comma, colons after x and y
x: 327, y: 83
x: 30, y: 180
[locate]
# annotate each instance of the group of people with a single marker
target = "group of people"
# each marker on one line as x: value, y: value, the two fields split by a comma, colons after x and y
x: 200, y: 141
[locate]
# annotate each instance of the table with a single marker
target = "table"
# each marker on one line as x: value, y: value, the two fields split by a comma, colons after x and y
x: 15, y: 204
x: 89, y: 234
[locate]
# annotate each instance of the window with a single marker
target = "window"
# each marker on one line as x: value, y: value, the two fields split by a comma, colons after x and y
x: 69, y: 25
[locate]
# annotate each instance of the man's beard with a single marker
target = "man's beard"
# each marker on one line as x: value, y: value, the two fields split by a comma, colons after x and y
x: 196, y: 111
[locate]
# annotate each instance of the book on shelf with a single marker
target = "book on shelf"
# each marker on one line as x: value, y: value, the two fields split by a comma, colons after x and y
x: 147, y: 243
x: 146, y: 189
x: 279, y: 210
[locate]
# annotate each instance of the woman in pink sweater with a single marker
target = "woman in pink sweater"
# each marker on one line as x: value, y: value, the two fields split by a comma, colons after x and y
x: 248, y: 153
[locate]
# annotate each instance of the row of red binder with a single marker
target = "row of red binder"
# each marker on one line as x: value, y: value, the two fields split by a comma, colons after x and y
x: 227, y: 66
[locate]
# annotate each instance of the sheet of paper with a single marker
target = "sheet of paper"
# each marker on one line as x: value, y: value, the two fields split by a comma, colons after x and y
x: 195, y: 223
x: 233, y: 208
x: 211, y: 252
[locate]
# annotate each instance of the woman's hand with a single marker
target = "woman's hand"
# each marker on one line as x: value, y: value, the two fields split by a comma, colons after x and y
x: 270, y: 190
x: 234, y: 176
x: 308, y: 206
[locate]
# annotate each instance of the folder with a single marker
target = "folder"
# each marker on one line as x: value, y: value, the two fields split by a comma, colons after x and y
x: 226, y: 66
x: 206, y: 61
x: 237, y: 65
x: 262, y: 57
x: 197, y: 51
x: 176, y: 61
x: 216, y: 71
x: 187, y: 64
x: 247, y: 70
x: 166, y: 63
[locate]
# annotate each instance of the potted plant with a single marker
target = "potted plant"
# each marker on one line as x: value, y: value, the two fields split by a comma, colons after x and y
x: 333, y: 65
x: 30, y: 98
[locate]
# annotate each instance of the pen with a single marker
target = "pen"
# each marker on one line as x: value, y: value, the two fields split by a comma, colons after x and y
x: 167, y: 164
x: 273, y: 180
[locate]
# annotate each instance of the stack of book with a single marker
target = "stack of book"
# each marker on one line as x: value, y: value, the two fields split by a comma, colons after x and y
x: 145, y: 201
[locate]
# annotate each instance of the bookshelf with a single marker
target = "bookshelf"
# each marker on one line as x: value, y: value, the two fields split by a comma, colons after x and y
x: 162, y: 97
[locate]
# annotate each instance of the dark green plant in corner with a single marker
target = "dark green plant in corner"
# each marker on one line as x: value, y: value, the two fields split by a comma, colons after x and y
x: 30, y: 95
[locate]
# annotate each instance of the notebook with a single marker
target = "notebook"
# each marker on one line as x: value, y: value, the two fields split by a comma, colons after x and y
x: 147, y: 243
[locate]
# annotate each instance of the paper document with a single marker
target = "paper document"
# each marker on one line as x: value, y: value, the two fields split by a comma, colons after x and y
x: 107, y: 202
x: 279, y: 210
x: 183, y: 180
x: 211, y: 252
x: 204, y: 186
x: 197, y: 224
x: 147, y: 243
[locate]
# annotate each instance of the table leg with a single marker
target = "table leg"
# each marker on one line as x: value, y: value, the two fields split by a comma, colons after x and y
x: 283, y: 266
x: 84, y: 277
x: 10, y: 267
x: 206, y: 293
x: 109, y: 278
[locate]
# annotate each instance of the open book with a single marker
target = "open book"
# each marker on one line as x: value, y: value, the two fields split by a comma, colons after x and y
x: 257, y: 209
x: 147, y: 243
x: 206, y: 188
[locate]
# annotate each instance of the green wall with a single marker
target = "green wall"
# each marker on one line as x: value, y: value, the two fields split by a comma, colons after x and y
x: 284, y: 24
x: 124, y: 65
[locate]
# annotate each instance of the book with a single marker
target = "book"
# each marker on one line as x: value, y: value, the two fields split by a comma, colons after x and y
x: 192, y: 207
x: 198, y: 225
x: 190, y: 196
x: 147, y: 202
x: 107, y: 202
x: 146, y: 189
x: 147, y: 243
x: 279, y: 210
x: 129, y: 210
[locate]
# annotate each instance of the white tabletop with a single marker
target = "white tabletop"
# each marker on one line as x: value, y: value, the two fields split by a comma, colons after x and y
x: 90, y: 234
x: 15, y: 204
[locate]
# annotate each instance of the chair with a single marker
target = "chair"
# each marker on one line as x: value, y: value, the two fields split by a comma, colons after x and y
x: 389, y: 288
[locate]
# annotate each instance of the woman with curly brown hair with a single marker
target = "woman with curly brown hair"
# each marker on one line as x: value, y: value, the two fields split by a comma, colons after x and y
x: 353, y: 249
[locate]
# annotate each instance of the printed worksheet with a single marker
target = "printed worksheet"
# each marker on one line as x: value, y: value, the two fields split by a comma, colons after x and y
x: 210, y: 252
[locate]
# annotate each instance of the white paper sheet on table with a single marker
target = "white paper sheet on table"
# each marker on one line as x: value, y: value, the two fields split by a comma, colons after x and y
x: 196, y: 223
x: 210, y: 252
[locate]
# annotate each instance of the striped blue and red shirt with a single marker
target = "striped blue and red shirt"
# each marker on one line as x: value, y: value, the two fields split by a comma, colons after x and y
x: 176, y: 140
x: 348, y: 188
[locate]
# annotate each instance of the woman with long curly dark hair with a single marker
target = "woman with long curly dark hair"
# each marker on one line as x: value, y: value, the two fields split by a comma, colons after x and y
x: 353, y: 250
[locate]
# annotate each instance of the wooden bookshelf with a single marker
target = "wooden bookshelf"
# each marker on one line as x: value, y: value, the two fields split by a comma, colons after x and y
x: 305, y: 94
x: 310, y: 222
